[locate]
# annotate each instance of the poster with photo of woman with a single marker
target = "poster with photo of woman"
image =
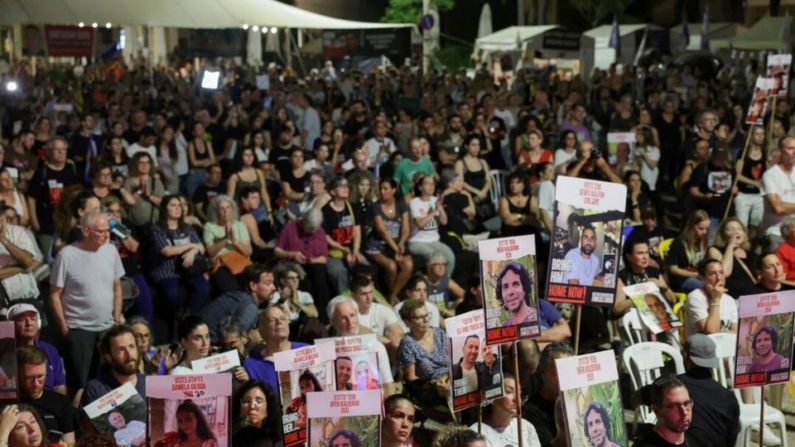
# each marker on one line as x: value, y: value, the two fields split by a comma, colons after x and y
x: 189, y: 410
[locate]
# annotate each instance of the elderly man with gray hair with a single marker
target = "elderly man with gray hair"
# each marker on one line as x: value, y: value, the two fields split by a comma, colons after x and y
x: 303, y: 241
x: 344, y: 315
x: 786, y: 251
x: 86, y: 295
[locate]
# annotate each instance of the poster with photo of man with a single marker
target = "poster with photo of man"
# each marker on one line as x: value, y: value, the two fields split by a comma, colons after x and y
x: 121, y: 414
x: 587, y: 232
x: 356, y: 365
x: 476, y: 367
x: 510, y: 288
x: 345, y: 418
x: 301, y: 372
x: 778, y: 66
x: 195, y: 407
x: 620, y: 148
x: 591, y: 398
x: 654, y: 310
x: 757, y: 108
x: 764, y: 339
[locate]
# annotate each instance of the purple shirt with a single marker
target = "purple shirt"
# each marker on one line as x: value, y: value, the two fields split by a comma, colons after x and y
x: 55, y: 374
x: 293, y: 238
x: 583, y: 134
x: 259, y: 368
x: 773, y: 365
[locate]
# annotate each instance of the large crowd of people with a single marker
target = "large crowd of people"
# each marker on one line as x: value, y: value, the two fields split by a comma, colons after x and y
x: 139, y: 209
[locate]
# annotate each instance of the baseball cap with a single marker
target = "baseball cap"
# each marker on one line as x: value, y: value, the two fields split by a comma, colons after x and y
x: 701, y: 350
x: 20, y: 309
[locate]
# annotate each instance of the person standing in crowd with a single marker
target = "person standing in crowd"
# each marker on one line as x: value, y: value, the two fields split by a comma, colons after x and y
x: 86, y: 295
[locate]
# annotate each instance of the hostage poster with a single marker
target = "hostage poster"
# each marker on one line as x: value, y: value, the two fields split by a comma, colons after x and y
x: 301, y: 372
x: 591, y: 398
x: 653, y: 308
x: 586, y: 241
x: 510, y: 288
x: 778, y: 66
x: 195, y: 407
x: 121, y: 414
x: 476, y: 367
x: 345, y: 418
x: 764, y: 339
x: 356, y: 365
x: 757, y: 108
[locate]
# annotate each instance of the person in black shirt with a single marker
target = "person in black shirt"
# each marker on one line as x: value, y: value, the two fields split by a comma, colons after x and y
x: 674, y: 409
x: 590, y: 165
x: 636, y: 271
x: 542, y: 391
x: 205, y: 193
x: 653, y: 233
x: 711, y: 185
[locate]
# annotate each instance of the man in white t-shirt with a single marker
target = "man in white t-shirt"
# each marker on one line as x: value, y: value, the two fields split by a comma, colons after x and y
x: 710, y: 310
x: 310, y: 126
x: 343, y: 313
x: 778, y: 188
x: 380, y: 146
x: 501, y: 110
x: 380, y: 319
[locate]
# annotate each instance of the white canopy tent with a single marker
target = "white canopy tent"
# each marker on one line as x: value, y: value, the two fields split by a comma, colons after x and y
x: 174, y: 13
x: 717, y: 31
x: 768, y: 34
x: 595, y: 48
x: 548, y: 42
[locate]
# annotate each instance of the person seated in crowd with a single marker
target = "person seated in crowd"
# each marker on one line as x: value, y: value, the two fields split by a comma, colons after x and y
x: 150, y: 361
x: 473, y: 296
x: 387, y: 244
x: 786, y: 250
x: 208, y: 191
x: 343, y: 234
x: 344, y: 315
x: 315, y: 197
x: 709, y: 309
x: 274, y: 329
x: 515, y: 210
x: 11, y: 196
x: 227, y: 242
x: 417, y: 288
x: 19, y: 259
x: 474, y: 172
x: 398, y: 422
x: 443, y: 291
x: 146, y: 188
x: 294, y: 179
x: 769, y: 274
x: 362, y: 197
x: 733, y: 249
x: 22, y: 427
x: 654, y: 233
x: 637, y: 270
x: 256, y: 414
x: 301, y: 308
x: 258, y: 224
x: 248, y: 176
x: 554, y: 328
x: 377, y: 317
x: 257, y: 288
x: 636, y: 198
x: 27, y: 330
x: 671, y: 403
x: 423, y: 355
x: 194, y: 339
x: 588, y: 165
x: 409, y: 166
x: 687, y: 250
x: 500, y: 421
x: 177, y: 247
x: 459, y: 436
x: 427, y: 215
x: 543, y: 390
x: 54, y: 408
x: 120, y: 356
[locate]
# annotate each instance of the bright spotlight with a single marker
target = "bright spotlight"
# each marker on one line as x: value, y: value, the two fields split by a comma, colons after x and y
x: 273, y: 30
x: 210, y: 79
x: 11, y: 86
x: 81, y: 24
x: 255, y: 28
x: 245, y: 26
x: 94, y: 25
x: 107, y: 25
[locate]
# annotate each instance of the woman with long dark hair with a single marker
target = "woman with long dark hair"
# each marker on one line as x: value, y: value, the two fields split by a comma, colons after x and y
x: 193, y: 429
x: 257, y: 415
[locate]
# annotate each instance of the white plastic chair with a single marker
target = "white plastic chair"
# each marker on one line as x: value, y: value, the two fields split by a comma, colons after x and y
x: 725, y: 348
x: 644, y: 361
x: 497, y: 186
x: 631, y: 328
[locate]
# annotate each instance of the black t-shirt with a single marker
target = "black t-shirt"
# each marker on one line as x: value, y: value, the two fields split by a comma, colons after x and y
x: 280, y: 157
x: 297, y: 184
x: 655, y: 236
x: 339, y: 225
x: 56, y: 411
x: 46, y: 187
x: 715, y: 180
x: 131, y: 136
x: 678, y: 256
x: 752, y: 169
x: 497, y: 129
x: 631, y: 278
x: 540, y: 413
x: 654, y: 440
x: 205, y: 194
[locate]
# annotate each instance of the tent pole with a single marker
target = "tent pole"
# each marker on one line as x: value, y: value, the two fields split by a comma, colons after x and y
x: 298, y: 54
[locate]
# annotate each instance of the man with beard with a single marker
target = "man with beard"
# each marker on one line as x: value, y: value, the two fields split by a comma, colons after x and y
x: 344, y: 367
x: 55, y: 409
x: 674, y: 409
x: 513, y: 285
x: 597, y: 425
x: 468, y: 367
x: 120, y: 355
x: 450, y: 145
x: 584, y: 265
x: 767, y: 359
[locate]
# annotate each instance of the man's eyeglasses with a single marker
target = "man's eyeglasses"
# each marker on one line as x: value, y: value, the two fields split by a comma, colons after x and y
x: 419, y: 318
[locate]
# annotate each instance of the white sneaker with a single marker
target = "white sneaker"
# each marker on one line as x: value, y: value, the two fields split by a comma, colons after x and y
x: 769, y: 438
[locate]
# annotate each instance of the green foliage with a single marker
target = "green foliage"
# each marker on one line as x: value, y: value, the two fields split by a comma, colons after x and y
x: 410, y: 11
x: 454, y: 57
x: 595, y: 10
x: 577, y: 400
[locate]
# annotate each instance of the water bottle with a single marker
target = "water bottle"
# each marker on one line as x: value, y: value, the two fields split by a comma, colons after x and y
x: 118, y: 229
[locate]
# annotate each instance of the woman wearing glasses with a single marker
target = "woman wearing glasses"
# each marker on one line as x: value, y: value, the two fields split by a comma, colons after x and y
x: 423, y: 355
x: 257, y: 415
x: 299, y: 304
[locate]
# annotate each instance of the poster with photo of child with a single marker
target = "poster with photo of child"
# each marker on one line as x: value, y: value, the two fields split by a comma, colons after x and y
x: 189, y: 409
x: 345, y: 418
x: 591, y: 396
x: 476, y: 367
x: 654, y: 310
x: 121, y: 414
x: 778, y: 66
x: 587, y: 234
x: 510, y: 288
x: 301, y: 372
x: 764, y: 339
x: 620, y: 148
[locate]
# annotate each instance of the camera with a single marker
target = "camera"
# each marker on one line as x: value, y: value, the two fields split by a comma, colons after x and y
x: 596, y: 153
